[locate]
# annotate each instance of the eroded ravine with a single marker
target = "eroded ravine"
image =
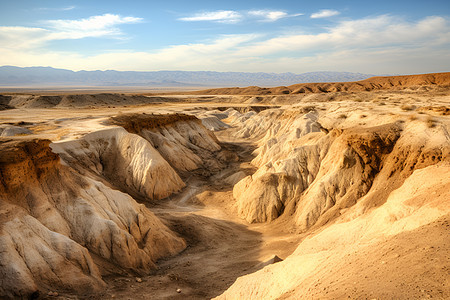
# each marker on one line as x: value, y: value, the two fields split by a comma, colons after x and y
x: 189, y: 244
x: 329, y: 183
x: 221, y: 247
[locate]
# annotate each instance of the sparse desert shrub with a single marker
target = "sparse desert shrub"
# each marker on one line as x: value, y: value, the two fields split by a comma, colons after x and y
x: 407, y: 107
x: 430, y: 121
x: 342, y: 116
x: 412, y: 117
x: 308, y: 108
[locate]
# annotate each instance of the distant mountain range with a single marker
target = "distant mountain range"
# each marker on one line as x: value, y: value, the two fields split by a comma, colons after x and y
x: 46, y: 76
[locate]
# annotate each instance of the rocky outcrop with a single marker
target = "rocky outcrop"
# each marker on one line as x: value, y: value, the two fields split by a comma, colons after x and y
x: 372, y: 250
x: 124, y: 160
x: 67, y: 214
x: 11, y: 130
x: 56, y: 224
x: 181, y: 139
x: 315, y: 173
x: 34, y: 258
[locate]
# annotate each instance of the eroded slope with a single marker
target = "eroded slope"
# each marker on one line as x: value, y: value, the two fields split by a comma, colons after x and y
x: 356, y: 186
x: 65, y: 223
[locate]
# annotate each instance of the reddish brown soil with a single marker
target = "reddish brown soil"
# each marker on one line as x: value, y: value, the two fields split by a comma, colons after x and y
x: 370, y: 84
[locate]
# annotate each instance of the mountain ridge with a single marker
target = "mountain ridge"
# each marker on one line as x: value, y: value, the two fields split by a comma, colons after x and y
x: 33, y: 76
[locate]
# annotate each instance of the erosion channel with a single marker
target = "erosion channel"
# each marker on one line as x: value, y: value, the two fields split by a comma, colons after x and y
x: 220, y: 246
x: 323, y: 195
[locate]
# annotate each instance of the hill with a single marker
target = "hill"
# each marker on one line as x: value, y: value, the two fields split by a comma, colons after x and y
x: 370, y: 84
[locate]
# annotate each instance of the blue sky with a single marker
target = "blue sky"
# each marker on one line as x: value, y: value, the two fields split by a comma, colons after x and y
x: 377, y: 37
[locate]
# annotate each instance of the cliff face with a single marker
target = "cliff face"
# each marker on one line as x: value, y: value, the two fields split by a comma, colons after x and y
x: 64, y: 220
x: 25, y: 162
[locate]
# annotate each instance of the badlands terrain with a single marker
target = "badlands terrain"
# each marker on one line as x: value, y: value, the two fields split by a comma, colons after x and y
x: 311, y: 191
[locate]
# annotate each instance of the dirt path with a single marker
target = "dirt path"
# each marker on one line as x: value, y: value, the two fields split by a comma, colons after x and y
x: 221, y: 247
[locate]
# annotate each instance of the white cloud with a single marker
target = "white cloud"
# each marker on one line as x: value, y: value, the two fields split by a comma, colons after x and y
x: 20, y: 38
x: 268, y: 15
x: 232, y: 17
x: 66, y: 8
x: 94, y: 26
x: 196, y: 56
x: 325, y: 13
x: 24, y: 38
x: 378, y: 32
x: 221, y: 16
x: 382, y: 44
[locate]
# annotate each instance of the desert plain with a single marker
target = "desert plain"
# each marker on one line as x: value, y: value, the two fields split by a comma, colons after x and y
x: 312, y: 191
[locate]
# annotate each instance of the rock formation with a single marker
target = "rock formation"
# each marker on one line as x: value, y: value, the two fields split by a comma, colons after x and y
x: 318, y: 172
x: 365, y: 188
x: 376, y: 254
x: 64, y: 220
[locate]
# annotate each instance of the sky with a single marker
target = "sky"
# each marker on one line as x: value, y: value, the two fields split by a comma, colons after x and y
x: 373, y: 37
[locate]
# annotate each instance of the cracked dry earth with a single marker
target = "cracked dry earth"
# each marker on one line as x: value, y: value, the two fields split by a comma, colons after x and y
x: 326, y: 196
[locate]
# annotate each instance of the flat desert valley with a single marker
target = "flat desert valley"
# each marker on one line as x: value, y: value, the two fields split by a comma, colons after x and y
x: 311, y: 191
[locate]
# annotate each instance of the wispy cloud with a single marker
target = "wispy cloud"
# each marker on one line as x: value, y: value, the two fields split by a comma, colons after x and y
x: 325, y: 13
x: 233, y: 17
x: 26, y: 38
x: 95, y: 26
x: 268, y: 15
x: 221, y: 16
x: 22, y: 38
x: 377, y: 32
x: 271, y: 16
x: 19, y: 37
x: 66, y: 8
x: 381, y: 44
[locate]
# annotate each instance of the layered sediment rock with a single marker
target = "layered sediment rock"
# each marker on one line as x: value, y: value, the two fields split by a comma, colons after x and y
x: 66, y: 213
x: 181, y: 139
x: 53, y: 219
x: 377, y: 193
x: 393, y: 246
x: 314, y: 172
x: 125, y: 160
